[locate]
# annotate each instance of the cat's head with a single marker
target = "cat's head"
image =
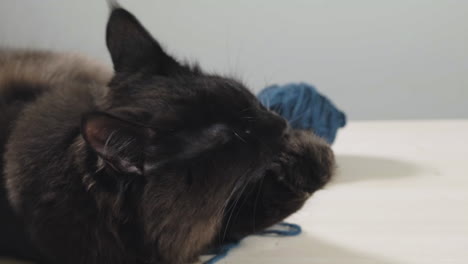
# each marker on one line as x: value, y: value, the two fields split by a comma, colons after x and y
x: 190, y: 141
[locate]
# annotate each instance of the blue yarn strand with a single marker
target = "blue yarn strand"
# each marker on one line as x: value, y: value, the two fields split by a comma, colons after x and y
x: 291, y: 230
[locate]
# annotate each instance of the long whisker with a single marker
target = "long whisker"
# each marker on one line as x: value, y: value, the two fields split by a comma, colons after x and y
x: 232, y: 211
x: 108, y: 140
x: 226, y: 202
x: 238, y: 136
x: 256, y: 201
x: 245, y: 109
x: 237, y: 185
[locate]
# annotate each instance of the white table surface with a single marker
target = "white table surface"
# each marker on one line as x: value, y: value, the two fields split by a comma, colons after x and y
x: 400, y: 196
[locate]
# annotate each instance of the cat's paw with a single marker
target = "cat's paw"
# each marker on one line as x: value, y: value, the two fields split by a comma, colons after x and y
x: 306, y: 164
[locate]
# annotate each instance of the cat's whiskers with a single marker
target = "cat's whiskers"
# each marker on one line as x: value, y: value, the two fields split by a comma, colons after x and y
x: 106, y: 144
x: 125, y: 144
x: 232, y: 209
x: 241, y: 182
x: 245, y: 109
x: 256, y: 201
x: 238, y: 136
x: 248, y: 117
x: 228, y: 199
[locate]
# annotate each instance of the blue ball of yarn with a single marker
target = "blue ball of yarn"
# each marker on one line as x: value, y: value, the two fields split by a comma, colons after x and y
x: 305, y: 108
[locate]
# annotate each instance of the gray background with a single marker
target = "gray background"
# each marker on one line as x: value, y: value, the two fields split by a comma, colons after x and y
x: 401, y: 59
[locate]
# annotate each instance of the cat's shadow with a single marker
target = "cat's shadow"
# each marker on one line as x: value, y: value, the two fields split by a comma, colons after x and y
x: 357, y: 168
x: 304, y: 249
x: 329, y: 252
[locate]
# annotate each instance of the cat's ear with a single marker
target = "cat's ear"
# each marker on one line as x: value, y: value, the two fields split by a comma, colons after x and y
x: 119, y: 143
x: 133, y: 49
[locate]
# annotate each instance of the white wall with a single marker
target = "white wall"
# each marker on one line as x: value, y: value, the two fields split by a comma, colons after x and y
x: 396, y: 59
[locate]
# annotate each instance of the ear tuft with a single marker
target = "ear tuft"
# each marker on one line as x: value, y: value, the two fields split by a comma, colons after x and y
x: 118, y: 142
x: 113, y: 4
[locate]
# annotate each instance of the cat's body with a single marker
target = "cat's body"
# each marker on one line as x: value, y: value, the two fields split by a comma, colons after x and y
x: 153, y: 164
x: 67, y: 85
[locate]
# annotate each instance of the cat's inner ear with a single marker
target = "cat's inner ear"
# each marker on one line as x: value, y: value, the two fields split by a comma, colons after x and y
x: 119, y: 143
x: 133, y: 49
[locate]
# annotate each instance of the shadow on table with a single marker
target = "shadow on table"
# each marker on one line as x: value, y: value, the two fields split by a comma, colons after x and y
x: 305, y: 249
x: 328, y: 252
x: 353, y: 168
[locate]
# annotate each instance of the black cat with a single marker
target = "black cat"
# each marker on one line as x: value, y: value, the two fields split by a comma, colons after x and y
x: 153, y: 164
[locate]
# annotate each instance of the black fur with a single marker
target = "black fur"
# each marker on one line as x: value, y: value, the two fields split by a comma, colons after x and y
x: 158, y: 166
